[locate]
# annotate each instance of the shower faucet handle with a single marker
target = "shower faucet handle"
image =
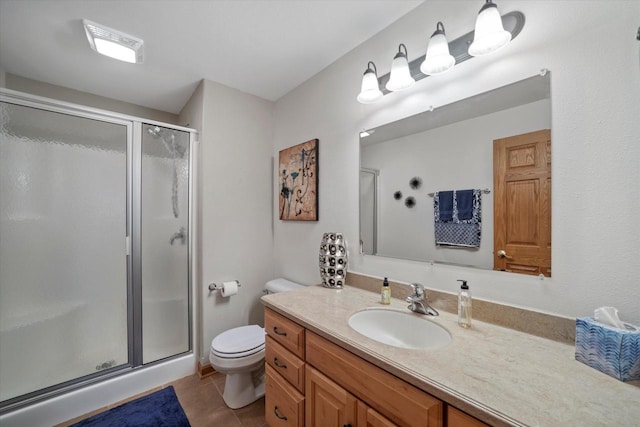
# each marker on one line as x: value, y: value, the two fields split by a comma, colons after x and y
x: 181, y: 234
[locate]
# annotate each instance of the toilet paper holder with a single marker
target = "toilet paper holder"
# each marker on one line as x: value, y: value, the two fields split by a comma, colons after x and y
x: 218, y: 287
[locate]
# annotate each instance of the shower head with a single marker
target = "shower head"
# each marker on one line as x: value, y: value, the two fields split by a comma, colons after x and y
x: 154, y: 131
x: 172, y: 146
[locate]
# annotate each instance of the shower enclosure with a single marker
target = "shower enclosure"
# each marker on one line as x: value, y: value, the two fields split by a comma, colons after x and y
x: 369, y: 211
x: 94, y: 246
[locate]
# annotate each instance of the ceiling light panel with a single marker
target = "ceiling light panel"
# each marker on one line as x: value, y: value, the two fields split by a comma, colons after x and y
x: 113, y: 43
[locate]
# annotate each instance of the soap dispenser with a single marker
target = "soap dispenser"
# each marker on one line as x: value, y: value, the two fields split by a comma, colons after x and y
x: 385, y: 292
x: 464, y: 305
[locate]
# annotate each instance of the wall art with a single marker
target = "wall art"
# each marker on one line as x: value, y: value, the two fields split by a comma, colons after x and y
x: 298, y: 177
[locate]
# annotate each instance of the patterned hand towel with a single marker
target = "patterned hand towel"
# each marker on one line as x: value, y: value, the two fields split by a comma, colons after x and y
x: 465, y: 226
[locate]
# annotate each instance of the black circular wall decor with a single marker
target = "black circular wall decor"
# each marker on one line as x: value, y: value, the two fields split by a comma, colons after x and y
x: 409, y: 202
x: 397, y: 195
x: 415, y: 182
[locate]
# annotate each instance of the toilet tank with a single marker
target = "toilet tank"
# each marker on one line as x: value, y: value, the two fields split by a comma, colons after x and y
x: 281, y: 285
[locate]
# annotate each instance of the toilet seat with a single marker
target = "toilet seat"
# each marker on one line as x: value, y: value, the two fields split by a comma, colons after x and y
x: 238, y: 342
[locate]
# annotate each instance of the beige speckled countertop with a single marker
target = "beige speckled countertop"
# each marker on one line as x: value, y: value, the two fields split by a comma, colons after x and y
x: 498, y: 375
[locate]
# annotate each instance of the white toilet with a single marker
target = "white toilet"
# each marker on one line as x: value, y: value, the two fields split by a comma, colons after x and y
x: 239, y: 353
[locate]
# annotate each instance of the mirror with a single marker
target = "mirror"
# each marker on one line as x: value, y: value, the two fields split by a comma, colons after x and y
x: 406, y: 165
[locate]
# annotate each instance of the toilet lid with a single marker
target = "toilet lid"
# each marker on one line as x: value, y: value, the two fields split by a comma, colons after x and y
x: 238, y: 342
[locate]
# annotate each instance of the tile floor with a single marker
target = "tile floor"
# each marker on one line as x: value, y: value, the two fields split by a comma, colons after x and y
x: 202, y: 402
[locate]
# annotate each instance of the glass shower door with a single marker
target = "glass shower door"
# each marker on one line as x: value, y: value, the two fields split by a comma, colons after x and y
x: 165, y: 242
x: 63, y: 260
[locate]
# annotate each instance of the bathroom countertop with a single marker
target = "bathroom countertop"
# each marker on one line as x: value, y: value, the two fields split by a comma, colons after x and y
x: 500, y: 376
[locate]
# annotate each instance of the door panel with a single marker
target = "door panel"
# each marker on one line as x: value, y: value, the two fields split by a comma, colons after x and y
x: 63, y: 263
x: 327, y: 404
x: 165, y: 243
x: 368, y: 417
x: 522, y: 204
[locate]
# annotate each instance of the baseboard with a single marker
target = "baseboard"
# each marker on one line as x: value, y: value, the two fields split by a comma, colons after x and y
x: 205, y: 370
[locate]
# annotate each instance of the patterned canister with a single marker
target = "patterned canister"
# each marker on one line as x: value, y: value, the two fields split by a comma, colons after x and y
x: 333, y: 260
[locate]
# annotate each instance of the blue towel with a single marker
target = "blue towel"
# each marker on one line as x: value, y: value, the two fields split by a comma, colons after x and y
x: 464, y: 201
x: 463, y: 226
x: 445, y: 205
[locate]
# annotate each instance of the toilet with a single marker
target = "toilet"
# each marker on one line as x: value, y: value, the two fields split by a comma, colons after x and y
x: 239, y: 353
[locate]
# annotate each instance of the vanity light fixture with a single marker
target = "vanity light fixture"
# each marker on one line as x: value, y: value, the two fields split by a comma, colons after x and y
x: 400, y: 75
x: 113, y: 43
x: 370, y: 90
x: 492, y: 32
x: 489, y: 35
x: 438, y: 59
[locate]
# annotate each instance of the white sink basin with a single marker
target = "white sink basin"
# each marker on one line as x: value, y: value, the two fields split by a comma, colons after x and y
x: 399, y: 328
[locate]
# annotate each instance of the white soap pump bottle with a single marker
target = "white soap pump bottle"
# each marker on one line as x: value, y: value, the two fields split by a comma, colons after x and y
x: 464, y: 305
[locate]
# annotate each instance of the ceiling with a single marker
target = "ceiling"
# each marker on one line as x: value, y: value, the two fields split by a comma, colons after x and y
x: 262, y: 47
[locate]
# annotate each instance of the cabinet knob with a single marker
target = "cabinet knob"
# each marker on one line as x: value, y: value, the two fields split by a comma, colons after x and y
x: 278, y: 364
x: 275, y: 411
x: 277, y: 332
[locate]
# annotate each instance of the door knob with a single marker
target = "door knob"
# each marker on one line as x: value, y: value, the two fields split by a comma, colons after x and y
x: 503, y: 254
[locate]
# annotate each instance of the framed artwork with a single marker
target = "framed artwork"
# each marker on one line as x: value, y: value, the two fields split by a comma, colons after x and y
x: 298, y: 176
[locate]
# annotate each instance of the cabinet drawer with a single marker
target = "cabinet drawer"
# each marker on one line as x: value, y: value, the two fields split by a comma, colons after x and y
x: 285, y: 363
x: 285, y: 331
x: 397, y: 400
x: 457, y: 418
x: 284, y: 405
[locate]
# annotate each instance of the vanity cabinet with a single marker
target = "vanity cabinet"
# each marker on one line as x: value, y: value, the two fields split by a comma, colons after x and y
x: 313, y: 382
x: 382, y: 398
x: 284, y: 371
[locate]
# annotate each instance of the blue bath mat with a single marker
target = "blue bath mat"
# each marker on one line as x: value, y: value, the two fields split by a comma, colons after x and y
x: 159, y: 409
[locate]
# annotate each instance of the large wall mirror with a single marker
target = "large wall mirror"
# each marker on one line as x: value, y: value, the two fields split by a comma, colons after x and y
x: 415, y: 174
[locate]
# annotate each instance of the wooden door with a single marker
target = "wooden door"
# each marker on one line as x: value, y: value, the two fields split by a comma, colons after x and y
x: 522, y: 203
x: 327, y: 404
x: 367, y: 417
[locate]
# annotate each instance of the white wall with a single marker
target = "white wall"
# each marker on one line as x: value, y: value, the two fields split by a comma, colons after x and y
x: 235, y: 204
x: 453, y: 157
x: 591, y: 50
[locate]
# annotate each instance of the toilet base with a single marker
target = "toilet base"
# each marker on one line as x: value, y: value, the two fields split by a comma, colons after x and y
x: 243, y: 388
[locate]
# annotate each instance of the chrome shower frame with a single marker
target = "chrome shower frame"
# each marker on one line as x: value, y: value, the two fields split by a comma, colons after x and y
x: 132, y: 241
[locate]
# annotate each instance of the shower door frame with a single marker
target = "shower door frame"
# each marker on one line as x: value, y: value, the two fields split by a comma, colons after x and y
x: 132, y: 241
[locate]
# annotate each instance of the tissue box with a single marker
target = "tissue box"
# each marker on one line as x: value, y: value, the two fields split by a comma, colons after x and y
x: 610, y: 350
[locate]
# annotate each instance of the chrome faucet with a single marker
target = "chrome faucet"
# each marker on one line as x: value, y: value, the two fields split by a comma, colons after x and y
x: 419, y: 302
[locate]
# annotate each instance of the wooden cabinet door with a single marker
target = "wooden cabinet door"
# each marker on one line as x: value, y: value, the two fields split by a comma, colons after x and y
x: 522, y: 203
x: 368, y: 417
x: 284, y: 405
x: 395, y: 399
x: 327, y: 404
x: 457, y: 418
